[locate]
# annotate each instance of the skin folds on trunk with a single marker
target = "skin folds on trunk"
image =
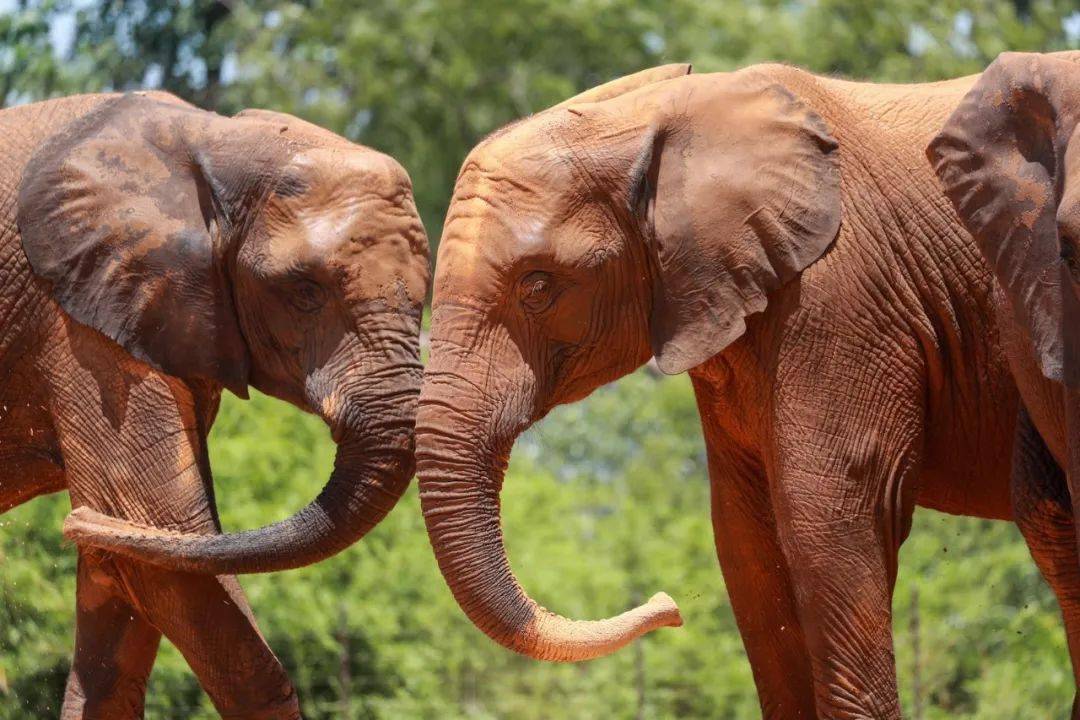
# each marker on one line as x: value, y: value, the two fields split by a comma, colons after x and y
x: 461, y: 473
x: 372, y: 468
x: 365, y: 485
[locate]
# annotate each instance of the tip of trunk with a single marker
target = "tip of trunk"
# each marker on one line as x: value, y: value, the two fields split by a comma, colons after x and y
x: 89, y: 527
x: 663, y: 610
x: 560, y: 639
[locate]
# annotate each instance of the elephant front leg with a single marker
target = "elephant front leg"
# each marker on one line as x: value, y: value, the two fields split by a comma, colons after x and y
x: 1043, y: 511
x: 759, y: 588
x: 209, y: 621
x: 153, y: 468
x: 115, y: 649
x: 756, y: 577
x: 843, y: 491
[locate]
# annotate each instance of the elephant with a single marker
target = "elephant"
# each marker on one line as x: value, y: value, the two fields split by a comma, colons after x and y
x: 153, y: 255
x: 779, y: 236
x: 1009, y: 160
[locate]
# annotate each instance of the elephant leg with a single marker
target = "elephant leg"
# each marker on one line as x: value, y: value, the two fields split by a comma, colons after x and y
x: 26, y: 476
x: 844, y: 496
x: 152, y: 467
x: 1043, y: 511
x: 114, y: 651
x: 755, y: 572
x: 209, y: 621
x: 760, y: 590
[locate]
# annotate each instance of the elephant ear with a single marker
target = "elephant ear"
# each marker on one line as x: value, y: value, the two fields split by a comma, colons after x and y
x: 738, y: 191
x: 1001, y: 161
x: 125, y: 213
x: 627, y: 83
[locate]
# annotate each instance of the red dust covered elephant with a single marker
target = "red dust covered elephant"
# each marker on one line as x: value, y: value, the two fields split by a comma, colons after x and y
x: 154, y: 254
x: 781, y: 237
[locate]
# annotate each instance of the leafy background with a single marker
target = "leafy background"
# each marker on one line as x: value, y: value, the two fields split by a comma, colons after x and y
x: 607, y: 500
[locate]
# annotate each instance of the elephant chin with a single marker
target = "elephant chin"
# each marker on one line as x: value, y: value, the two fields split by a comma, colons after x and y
x: 459, y: 492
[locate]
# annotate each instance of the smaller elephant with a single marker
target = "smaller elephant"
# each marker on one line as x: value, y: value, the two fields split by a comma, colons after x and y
x: 1009, y: 160
x: 152, y: 255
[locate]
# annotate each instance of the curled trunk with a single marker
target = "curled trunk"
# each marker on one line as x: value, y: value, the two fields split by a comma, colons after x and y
x: 365, y: 485
x: 460, y: 481
x: 372, y: 468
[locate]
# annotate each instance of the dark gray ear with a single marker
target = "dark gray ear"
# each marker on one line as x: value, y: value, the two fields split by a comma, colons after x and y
x: 126, y: 213
x: 1001, y: 160
x: 740, y: 192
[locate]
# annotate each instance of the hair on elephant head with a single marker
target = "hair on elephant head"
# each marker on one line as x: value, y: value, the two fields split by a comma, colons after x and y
x: 1009, y: 160
x: 649, y: 216
x: 255, y: 250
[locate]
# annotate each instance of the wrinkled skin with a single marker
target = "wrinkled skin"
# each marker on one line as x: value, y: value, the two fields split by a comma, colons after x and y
x: 1009, y: 159
x: 152, y: 255
x: 781, y: 237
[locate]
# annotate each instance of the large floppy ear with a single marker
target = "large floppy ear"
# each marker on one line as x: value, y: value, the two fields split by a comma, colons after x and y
x: 737, y: 191
x: 627, y: 83
x: 129, y: 214
x: 1001, y: 161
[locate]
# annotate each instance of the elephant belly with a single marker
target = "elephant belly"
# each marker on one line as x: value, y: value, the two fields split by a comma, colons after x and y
x: 30, y: 462
x: 961, y: 492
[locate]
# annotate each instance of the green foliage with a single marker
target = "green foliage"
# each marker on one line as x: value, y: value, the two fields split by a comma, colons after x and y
x: 607, y: 501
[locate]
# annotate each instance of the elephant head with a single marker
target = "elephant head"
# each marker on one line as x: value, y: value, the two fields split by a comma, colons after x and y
x: 255, y: 250
x: 646, y: 217
x: 1009, y: 160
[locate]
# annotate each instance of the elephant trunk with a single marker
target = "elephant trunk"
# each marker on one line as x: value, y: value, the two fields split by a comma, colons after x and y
x: 461, y: 468
x: 374, y: 430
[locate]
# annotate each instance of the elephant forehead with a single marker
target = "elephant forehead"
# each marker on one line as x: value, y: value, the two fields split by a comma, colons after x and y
x: 376, y: 249
x: 480, y: 250
x: 468, y: 270
x: 340, y: 199
x: 387, y: 271
x: 377, y: 255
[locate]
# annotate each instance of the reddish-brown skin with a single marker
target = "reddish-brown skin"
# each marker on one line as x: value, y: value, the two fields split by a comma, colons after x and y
x: 152, y: 254
x: 1009, y: 159
x: 781, y: 237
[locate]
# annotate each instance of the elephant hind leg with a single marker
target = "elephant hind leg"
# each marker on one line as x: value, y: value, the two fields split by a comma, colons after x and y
x: 1043, y: 511
x: 114, y: 652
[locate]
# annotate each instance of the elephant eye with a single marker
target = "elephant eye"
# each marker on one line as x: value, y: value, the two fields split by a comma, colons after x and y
x: 306, y: 295
x: 537, y: 291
